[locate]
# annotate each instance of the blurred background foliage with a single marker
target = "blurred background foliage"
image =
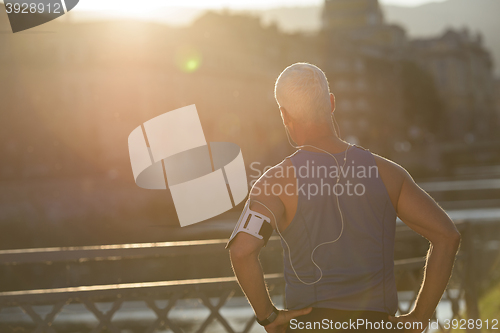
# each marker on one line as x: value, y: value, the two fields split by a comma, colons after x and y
x: 71, y: 92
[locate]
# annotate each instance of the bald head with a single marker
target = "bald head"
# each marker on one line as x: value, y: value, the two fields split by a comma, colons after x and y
x: 302, y: 90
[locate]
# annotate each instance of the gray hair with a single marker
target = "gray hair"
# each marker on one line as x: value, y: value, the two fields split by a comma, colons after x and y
x: 303, y: 90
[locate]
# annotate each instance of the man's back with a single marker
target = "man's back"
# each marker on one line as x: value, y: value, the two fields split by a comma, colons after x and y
x: 356, y: 255
x: 391, y: 174
x: 356, y: 270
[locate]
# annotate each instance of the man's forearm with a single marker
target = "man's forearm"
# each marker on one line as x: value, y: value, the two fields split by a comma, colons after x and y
x: 437, y: 273
x: 249, y: 273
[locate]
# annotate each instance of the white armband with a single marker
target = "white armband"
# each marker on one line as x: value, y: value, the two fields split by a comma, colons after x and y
x: 253, y: 223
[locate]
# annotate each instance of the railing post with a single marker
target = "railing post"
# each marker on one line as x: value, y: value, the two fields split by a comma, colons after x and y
x: 471, y: 299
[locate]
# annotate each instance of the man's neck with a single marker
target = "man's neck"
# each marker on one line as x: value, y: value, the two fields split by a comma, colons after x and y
x: 326, y: 141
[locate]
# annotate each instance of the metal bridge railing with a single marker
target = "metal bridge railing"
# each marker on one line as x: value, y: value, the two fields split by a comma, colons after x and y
x: 206, y: 291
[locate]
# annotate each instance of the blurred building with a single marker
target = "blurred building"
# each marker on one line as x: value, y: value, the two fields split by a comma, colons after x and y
x: 351, y: 15
x: 362, y: 22
x: 463, y: 71
x: 362, y: 55
x: 441, y: 89
x: 497, y: 99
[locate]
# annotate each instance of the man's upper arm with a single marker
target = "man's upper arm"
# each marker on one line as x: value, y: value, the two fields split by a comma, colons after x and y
x: 244, y: 243
x: 422, y: 214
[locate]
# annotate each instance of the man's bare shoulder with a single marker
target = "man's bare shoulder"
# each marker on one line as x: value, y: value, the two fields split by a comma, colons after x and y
x: 281, y: 173
x: 393, y: 175
x: 390, y: 166
x: 268, y: 190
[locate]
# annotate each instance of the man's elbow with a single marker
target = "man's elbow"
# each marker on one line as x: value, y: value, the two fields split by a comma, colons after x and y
x: 452, y: 239
x: 238, y: 251
x: 456, y: 238
x: 449, y: 240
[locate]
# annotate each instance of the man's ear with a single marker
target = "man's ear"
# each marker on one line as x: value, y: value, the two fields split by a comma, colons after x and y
x: 284, y: 116
x: 332, y: 102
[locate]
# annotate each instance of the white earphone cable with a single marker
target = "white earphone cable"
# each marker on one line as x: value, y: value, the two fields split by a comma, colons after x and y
x: 338, y: 206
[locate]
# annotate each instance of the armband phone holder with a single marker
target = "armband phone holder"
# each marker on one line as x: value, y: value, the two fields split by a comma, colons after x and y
x: 253, y: 223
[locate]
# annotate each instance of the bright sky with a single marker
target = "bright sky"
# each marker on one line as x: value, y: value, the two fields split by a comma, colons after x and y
x: 184, y: 11
x: 147, y: 5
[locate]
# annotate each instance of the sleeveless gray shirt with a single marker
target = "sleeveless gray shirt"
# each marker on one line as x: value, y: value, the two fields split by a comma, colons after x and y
x: 358, y: 269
